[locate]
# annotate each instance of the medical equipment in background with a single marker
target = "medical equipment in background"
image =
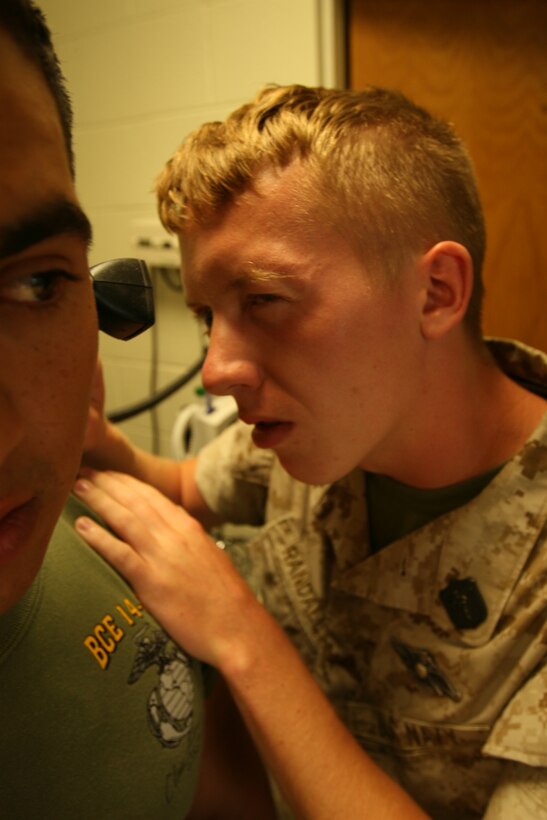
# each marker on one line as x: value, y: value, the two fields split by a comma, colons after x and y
x: 124, y: 297
x: 125, y: 307
x: 200, y: 422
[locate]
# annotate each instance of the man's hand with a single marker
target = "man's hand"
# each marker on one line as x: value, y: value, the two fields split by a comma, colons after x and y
x: 177, y: 571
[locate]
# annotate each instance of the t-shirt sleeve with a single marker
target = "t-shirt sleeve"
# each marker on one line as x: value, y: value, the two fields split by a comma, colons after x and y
x: 233, y: 475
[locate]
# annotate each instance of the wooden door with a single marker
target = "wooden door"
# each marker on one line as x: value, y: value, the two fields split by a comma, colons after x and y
x: 482, y: 64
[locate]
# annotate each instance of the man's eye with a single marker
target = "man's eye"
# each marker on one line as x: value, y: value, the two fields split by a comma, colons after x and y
x: 263, y: 298
x: 36, y: 288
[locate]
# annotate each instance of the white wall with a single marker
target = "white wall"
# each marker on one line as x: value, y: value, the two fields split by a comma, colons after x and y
x: 142, y: 74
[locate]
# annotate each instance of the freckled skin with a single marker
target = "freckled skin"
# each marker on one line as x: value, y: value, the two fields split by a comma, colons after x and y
x: 333, y: 348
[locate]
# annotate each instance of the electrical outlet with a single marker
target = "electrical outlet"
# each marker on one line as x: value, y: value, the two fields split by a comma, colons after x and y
x: 154, y: 245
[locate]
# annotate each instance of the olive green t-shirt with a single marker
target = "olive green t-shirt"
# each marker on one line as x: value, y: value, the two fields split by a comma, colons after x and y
x: 397, y: 509
x: 101, y: 714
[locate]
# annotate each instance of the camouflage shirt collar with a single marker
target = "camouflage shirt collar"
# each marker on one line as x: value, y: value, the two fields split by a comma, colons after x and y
x: 489, y: 539
x: 522, y: 363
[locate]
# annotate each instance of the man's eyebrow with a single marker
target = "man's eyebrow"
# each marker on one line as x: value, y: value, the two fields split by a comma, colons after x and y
x: 253, y: 275
x: 53, y: 219
x: 260, y: 275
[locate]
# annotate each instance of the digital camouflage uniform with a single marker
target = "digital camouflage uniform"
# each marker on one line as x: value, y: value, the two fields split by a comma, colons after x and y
x: 450, y: 698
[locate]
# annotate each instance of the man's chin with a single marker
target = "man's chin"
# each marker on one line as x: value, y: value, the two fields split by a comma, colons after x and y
x: 24, y: 545
x: 309, y: 471
x: 16, y: 580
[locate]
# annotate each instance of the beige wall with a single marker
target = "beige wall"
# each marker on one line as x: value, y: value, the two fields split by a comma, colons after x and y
x: 142, y: 74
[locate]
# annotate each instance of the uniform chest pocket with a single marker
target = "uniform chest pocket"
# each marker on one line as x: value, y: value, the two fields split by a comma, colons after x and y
x: 440, y: 765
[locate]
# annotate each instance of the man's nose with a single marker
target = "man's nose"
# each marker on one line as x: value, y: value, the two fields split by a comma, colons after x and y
x: 231, y: 361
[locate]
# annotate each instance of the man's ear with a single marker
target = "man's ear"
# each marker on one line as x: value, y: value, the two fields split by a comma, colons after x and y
x: 447, y: 277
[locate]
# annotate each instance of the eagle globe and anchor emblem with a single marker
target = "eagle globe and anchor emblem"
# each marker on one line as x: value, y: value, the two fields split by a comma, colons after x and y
x: 170, y: 704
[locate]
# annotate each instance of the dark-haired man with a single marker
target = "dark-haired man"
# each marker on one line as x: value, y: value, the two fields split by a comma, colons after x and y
x: 101, y: 713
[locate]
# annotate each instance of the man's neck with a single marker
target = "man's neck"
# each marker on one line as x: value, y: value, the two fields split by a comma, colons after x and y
x: 472, y: 418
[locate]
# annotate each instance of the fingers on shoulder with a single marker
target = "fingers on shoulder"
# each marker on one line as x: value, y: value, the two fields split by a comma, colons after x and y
x: 119, y: 554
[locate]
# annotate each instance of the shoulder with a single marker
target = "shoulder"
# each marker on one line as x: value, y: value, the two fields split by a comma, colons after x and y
x: 233, y: 475
x: 235, y: 451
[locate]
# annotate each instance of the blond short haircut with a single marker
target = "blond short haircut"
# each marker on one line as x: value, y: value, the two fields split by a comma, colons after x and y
x: 387, y: 174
